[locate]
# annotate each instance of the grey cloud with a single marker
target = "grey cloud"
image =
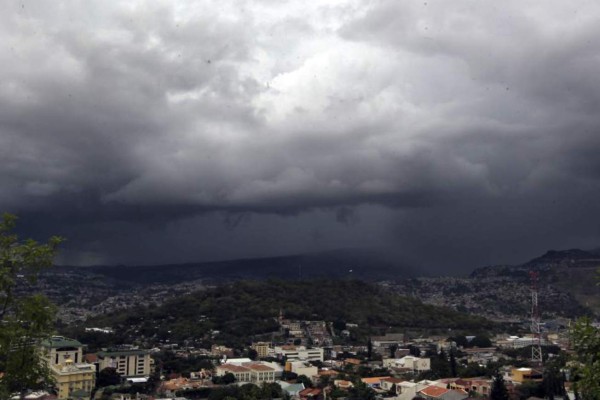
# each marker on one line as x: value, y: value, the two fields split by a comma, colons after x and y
x: 460, y: 124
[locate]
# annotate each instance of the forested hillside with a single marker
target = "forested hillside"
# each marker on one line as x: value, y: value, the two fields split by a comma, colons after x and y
x: 246, y: 308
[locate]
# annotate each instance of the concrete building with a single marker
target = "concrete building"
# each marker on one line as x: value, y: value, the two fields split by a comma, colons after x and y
x: 72, y: 376
x: 128, y: 363
x: 297, y: 353
x: 262, y: 348
x: 301, y: 368
x: 58, y: 349
x: 520, y: 375
x: 408, y: 362
x: 253, y: 372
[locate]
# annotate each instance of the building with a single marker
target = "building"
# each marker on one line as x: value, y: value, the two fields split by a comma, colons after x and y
x: 374, y: 382
x: 58, y: 349
x: 383, y: 344
x: 520, y: 375
x: 301, y: 368
x: 72, y: 376
x: 128, y: 363
x: 297, y: 353
x: 436, y: 392
x: 261, y: 348
x: 409, y: 363
x: 252, y: 372
x: 481, y: 386
x: 391, y: 384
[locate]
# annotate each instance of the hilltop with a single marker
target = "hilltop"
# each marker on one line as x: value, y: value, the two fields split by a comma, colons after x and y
x: 246, y: 308
x: 572, y: 271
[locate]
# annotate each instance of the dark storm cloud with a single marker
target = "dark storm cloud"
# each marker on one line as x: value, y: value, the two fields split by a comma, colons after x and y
x: 450, y: 131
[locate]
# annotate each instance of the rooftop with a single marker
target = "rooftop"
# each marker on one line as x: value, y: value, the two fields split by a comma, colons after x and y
x: 434, y: 391
x: 59, y: 341
x: 103, y: 354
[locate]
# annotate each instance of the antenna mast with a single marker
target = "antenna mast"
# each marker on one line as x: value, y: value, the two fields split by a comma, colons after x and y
x: 536, y: 347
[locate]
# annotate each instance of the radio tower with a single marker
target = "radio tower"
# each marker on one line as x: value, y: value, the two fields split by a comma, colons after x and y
x: 536, y: 348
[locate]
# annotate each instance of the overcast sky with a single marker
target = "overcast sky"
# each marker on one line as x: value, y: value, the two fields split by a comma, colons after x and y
x: 458, y: 133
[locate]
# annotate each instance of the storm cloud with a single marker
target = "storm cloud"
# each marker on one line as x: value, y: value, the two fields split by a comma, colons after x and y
x: 457, y: 134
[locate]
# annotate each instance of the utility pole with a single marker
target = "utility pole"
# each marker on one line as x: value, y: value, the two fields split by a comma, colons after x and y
x: 536, y: 348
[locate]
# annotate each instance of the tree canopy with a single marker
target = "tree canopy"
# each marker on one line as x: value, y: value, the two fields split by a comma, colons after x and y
x: 26, y: 318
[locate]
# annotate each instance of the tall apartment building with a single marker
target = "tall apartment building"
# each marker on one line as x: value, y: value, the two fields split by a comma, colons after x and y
x: 128, y: 363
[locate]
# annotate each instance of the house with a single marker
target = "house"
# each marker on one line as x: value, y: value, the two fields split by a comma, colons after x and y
x: 310, y: 393
x: 391, y: 384
x: 406, y: 390
x: 342, y: 384
x: 374, y: 382
x: 435, y: 392
x: 481, y: 386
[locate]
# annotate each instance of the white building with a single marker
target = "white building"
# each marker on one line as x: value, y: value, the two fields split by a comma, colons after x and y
x: 302, y: 368
x: 297, y: 353
x: 253, y: 372
x: 128, y: 363
x: 409, y: 362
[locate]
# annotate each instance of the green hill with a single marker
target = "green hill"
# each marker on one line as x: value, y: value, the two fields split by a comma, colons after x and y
x: 243, y: 309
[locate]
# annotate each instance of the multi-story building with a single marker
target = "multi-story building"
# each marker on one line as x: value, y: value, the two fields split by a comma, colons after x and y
x: 253, y: 372
x: 262, y: 348
x: 128, y: 363
x: 297, y: 353
x: 72, y: 376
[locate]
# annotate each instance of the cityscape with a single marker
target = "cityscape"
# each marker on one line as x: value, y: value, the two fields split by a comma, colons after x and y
x: 295, y: 200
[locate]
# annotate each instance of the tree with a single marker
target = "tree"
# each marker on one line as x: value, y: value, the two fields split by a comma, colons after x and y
x: 360, y: 391
x: 553, y: 381
x: 499, y: 391
x: 453, y: 367
x: 253, y: 354
x: 26, y: 319
x: 369, y: 349
x: 414, y: 351
x: 586, y: 343
x: 393, y: 349
x: 304, y: 380
x: 480, y: 341
x: 108, y: 377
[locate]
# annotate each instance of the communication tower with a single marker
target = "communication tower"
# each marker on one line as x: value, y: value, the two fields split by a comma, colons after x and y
x: 536, y: 348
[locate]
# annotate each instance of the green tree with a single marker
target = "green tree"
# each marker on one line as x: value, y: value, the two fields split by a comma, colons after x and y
x: 26, y: 319
x: 453, y: 366
x: 360, y: 391
x: 393, y: 349
x: 553, y: 381
x: 304, y: 380
x: 108, y: 377
x: 499, y: 391
x: 586, y: 343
